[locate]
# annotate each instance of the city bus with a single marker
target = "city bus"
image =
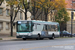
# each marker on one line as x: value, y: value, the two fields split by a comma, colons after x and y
x: 37, y: 29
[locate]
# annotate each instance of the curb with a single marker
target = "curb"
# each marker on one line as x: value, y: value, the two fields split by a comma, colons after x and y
x: 9, y: 38
x: 12, y: 38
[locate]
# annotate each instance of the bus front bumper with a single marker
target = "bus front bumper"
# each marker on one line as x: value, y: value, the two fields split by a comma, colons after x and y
x: 26, y: 36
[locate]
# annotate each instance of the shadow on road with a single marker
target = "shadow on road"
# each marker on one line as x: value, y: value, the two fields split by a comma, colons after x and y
x: 30, y: 39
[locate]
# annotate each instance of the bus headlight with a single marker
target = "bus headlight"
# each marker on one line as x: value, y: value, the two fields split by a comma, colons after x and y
x: 29, y: 34
x: 17, y: 34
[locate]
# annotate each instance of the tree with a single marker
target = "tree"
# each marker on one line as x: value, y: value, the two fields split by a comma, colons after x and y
x: 1, y: 1
x: 24, y: 5
x: 47, y: 6
x: 59, y: 4
x: 62, y: 17
x: 35, y: 10
x: 21, y: 5
x: 13, y: 4
x: 43, y: 5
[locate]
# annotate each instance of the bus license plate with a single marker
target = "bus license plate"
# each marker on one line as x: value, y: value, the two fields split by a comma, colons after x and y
x: 23, y: 37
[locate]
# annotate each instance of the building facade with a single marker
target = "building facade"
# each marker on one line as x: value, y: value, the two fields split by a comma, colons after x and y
x: 70, y: 7
x: 5, y: 18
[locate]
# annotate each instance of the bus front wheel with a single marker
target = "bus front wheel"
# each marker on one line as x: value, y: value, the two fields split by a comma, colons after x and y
x: 38, y: 37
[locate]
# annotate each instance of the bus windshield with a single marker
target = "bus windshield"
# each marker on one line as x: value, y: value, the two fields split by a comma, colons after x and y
x: 24, y: 27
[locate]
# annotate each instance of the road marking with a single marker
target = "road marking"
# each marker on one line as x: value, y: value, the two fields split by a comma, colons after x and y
x: 46, y: 46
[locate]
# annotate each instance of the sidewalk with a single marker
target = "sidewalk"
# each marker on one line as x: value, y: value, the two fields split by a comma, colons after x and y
x: 7, y: 37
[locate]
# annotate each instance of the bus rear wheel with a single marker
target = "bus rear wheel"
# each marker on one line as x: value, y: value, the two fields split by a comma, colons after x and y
x: 52, y: 37
x: 38, y: 38
x: 24, y: 38
x: 41, y: 38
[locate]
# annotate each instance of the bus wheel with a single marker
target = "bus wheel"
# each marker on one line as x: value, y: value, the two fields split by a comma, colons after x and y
x: 41, y: 38
x: 24, y: 38
x: 52, y: 37
x: 38, y: 37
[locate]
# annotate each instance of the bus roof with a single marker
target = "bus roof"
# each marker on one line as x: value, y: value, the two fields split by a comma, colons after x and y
x: 42, y: 22
x: 45, y: 22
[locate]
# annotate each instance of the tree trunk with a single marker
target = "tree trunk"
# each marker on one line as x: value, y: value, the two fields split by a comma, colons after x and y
x: 46, y: 12
x: 11, y: 19
x: 25, y: 10
x: 11, y: 26
x: 45, y: 17
x: 34, y: 10
x: 16, y: 12
x: 25, y: 14
x: 0, y: 3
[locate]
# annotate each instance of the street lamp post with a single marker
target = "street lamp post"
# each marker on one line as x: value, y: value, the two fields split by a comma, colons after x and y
x: 72, y: 23
x: 34, y: 10
x: 72, y: 19
x: 72, y: 13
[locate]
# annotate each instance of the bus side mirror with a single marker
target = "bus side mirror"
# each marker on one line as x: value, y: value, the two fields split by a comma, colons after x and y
x: 14, y: 24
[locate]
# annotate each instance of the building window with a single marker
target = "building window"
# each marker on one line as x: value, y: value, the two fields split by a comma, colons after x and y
x: 21, y: 16
x: 1, y: 25
x: 7, y: 12
x: 1, y: 11
x: 7, y: 26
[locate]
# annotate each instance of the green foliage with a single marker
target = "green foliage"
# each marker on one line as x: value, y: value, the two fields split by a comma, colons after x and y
x: 59, y: 4
x: 48, y: 5
x: 23, y: 3
x: 0, y: 38
x: 1, y: 1
x: 62, y: 16
x: 43, y: 5
x: 12, y: 2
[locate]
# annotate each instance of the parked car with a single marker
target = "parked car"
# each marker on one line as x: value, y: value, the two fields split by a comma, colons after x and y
x: 74, y: 35
x: 65, y: 33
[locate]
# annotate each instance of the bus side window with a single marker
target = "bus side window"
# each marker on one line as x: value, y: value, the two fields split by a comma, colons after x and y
x: 49, y: 27
x: 52, y: 27
x: 56, y: 29
x: 44, y: 28
x: 39, y: 27
x: 34, y: 27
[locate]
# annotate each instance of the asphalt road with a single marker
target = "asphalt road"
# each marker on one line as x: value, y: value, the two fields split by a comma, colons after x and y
x: 46, y: 44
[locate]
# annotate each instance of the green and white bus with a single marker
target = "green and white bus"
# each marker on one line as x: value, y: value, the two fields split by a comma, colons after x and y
x: 37, y: 29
